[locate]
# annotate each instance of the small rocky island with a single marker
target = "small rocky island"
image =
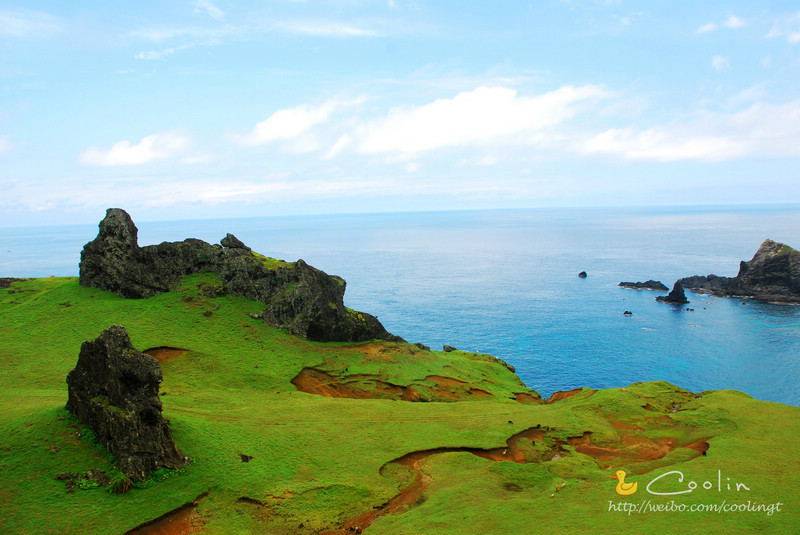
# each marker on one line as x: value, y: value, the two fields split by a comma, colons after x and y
x: 773, y: 275
x: 647, y: 285
x: 113, y: 390
x: 299, y: 298
x: 676, y: 297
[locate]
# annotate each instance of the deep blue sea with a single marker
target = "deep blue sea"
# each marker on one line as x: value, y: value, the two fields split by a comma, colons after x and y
x: 506, y: 283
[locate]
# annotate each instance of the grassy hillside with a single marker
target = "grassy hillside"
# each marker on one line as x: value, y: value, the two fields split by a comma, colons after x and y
x: 464, y: 444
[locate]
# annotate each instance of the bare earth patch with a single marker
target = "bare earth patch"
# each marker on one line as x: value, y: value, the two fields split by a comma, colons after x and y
x: 164, y: 353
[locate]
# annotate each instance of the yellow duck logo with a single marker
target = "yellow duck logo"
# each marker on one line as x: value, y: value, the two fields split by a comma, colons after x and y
x: 624, y: 489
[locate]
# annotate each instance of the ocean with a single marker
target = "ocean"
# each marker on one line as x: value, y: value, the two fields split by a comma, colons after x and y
x: 505, y: 282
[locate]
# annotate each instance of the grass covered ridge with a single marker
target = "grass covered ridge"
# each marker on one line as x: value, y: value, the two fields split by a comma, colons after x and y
x: 318, y: 462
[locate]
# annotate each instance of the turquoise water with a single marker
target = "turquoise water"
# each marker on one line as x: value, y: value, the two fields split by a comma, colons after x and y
x: 505, y: 283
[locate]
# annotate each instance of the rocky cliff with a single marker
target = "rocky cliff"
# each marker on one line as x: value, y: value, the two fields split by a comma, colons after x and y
x: 773, y: 274
x: 113, y: 390
x: 299, y: 298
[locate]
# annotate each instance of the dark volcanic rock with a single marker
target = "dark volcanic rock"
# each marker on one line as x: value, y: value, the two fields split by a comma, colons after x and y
x: 708, y: 283
x: 113, y: 390
x: 773, y: 274
x: 648, y: 285
x: 675, y: 297
x: 233, y: 242
x: 5, y: 282
x: 299, y: 298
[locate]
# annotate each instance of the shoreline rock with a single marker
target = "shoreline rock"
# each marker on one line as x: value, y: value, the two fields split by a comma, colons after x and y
x: 299, y: 298
x: 772, y: 275
x: 657, y: 286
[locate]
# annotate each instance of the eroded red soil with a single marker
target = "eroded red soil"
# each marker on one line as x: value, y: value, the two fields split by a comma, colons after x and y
x: 361, y: 386
x: 183, y: 520
x: 164, y: 353
x: 565, y: 394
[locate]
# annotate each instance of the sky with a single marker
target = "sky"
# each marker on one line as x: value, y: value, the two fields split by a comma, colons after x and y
x: 190, y: 109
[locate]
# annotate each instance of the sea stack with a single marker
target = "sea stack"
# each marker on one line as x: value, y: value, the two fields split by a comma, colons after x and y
x: 675, y: 297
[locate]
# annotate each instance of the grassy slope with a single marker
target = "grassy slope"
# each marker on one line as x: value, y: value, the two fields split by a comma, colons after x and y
x: 316, y: 460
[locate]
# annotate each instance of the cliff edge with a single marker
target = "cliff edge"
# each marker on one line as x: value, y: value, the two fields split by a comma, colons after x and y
x: 299, y: 298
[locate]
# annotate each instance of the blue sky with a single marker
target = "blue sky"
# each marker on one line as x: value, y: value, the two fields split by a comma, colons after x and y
x: 220, y: 108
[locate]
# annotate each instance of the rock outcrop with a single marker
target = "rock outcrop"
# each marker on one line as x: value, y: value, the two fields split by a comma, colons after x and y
x: 113, y: 390
x: 647, y: 285
x: 706, y: 284
x: 676, y: 297
x: 299, y: 298
x: 773, y: 274
x: 5, y: 282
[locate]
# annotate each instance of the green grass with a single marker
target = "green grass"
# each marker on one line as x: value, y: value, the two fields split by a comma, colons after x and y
x: 316, y: 460
x: 270, y: 263
x: 786, y: 250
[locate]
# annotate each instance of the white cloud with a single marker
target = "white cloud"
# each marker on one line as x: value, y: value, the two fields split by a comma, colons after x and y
x: 159, y: 55
x: 660, y: 144
x: 721, y: 63
x: 291, y: 123
x: 5, y: 145
x: 28, y: 24
x: 326, y: 29
x: 763, y: 130
x: 155, y: 55
x: 787, y: 27
x: 158, y: 34
x: 341, y: 144
x: 473, y: 117
x: 705, y: 28
x: 733, y: 22
x: 150, y: 148
x: 207, y: 7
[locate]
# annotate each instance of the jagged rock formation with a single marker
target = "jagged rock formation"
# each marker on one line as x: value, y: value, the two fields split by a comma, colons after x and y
x: 301, y: 299
x: 707, y: 284
x: 773, y: 274
x: 648, y: 285
x: 675, y: 297
x: 113, y: 390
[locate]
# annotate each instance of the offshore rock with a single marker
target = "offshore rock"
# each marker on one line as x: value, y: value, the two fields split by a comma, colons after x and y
x: 113, y: 390
x: 675, y: 297
x: 299, y: 298
x: 773, y: 275
x: 647, y: 285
